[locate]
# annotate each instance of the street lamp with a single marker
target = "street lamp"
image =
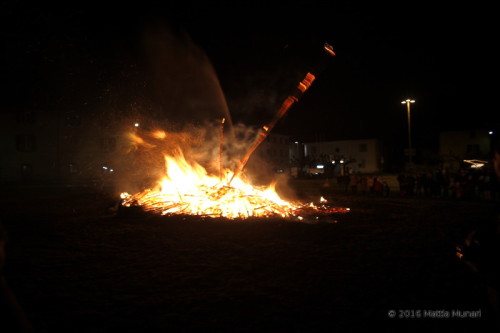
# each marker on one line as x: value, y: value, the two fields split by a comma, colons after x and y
x: 408, y: 102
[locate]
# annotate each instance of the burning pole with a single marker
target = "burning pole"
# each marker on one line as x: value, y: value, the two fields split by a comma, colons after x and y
x: 301, y: 88
x: 221, y: 143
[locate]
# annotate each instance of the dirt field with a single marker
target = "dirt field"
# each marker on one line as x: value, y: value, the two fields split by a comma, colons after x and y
x: 76, y: 266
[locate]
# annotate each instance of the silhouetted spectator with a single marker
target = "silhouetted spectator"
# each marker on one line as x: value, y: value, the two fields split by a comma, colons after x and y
x: 353, y: 183
x: 446, y: 184
x: 419, y: 183
x: 378, y: 186
x: 12, y: 316
x: 410, y: 185
x: 402, y: 182
x: 386, y: 190
x: 481, y: 252
x: 363, y: 184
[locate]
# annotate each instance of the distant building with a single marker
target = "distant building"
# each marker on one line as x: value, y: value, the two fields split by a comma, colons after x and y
x: 27, y: 146
x: 457, y: 146
x: 338, y: 157
x: 65, y: 146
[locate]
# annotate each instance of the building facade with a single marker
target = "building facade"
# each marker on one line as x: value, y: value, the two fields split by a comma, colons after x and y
x: 337, y: 157
x: 41, y: 146
x: 457, y: 146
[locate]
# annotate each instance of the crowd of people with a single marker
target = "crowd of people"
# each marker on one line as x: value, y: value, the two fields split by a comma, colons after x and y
x: 364, y: 184
x: 466, y: 183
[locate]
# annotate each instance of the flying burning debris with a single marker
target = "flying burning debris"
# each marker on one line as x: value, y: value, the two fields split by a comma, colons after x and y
x: 328, y: 48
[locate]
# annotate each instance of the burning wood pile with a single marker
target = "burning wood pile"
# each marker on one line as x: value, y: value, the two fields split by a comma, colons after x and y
x: 188, y: 190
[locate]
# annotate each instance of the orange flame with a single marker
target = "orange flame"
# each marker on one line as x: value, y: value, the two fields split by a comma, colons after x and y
x: 188, y: 189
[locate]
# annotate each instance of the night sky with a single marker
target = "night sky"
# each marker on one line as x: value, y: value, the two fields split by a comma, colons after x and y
x: 119, y: 56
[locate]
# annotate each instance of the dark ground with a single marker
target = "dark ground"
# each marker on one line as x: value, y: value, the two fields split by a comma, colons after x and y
x: 75, y: 266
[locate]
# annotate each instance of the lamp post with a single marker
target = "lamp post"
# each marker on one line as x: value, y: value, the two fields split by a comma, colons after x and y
x: 408, y: 102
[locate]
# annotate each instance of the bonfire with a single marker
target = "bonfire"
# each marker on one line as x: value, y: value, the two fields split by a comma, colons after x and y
x: 187, y: 188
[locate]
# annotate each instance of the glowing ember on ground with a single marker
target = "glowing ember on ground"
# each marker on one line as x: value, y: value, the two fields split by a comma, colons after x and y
x: 187, y: 189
